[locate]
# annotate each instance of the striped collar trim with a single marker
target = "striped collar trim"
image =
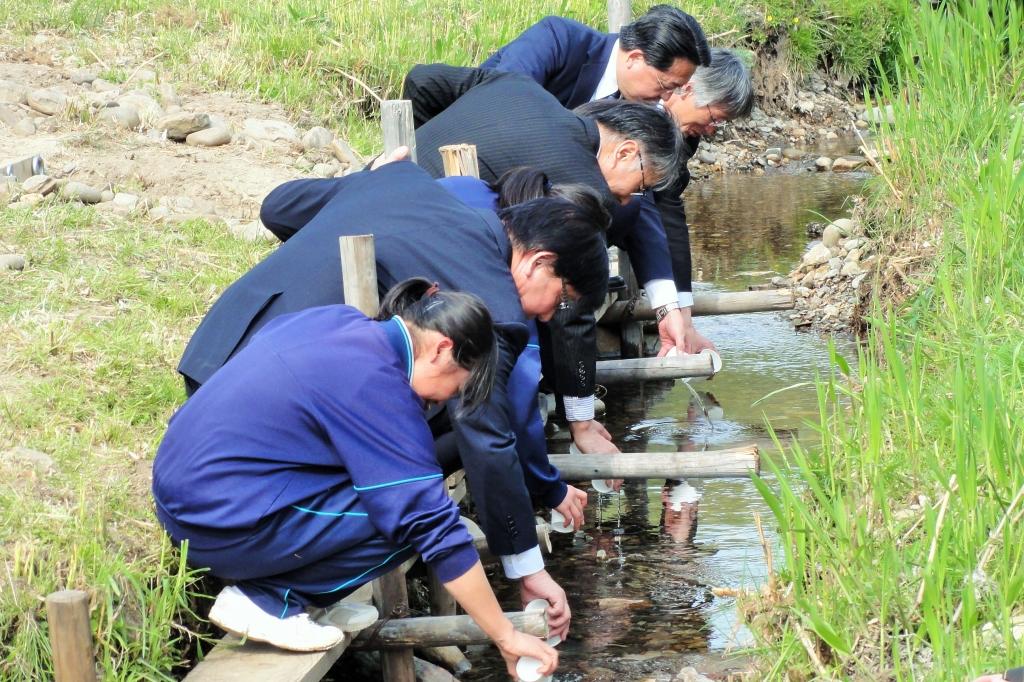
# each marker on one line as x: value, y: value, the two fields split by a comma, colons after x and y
x: 401, y: 342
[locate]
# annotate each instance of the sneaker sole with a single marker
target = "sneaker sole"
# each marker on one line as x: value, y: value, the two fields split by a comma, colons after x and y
x: 255, y: 635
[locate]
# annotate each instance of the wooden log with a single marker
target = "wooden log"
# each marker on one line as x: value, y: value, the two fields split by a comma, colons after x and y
x: 233, y: 661
x: 441, y: 631
x: 644, y: 369
x: 67, y: 614
x: 392, y: 598
x: 730, y: 463
x: 620, y: 12
x: 397, y: 121
x: 729, y: 303
x: 450, y: 658
x: 359, y: 272
x: 480, y: 540
x: 459, y: 159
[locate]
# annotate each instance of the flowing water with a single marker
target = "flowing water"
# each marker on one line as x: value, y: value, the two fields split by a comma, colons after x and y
x: 640, y: 576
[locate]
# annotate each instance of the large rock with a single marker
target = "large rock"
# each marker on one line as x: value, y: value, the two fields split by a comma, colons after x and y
x: 124, y: 203
x: 12, y: 93
x: 831, y: 235
x: 210, y: 137
x: 851, y: 269
x: 707, y: 157
x: 847, y: 226
x: 252, y: 232
x: 121, y: 116
x: 804, y: 106
x: 12, y: 114
x: 792, y: 153
x: 40, y: 461
x: 317, y: 138
x: 149, y: 110
x: 817, y: 255
x: 270, y: 131
x: 39, y: 184
x: 12, y: 261
x: 181, y: 125
x: 848, y: 163
x: 84, y: 76
x: 47, y: 101
x: 79, y: 191
x: 24, y: 128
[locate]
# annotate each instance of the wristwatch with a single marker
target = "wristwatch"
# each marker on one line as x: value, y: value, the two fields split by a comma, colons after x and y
x: 661, y: 311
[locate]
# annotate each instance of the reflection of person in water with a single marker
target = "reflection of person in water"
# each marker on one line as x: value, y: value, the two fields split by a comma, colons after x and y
x: 679, y: 513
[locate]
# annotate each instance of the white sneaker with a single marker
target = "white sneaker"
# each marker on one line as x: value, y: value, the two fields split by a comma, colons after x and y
x: 239, y: 615
x: 350, y: 616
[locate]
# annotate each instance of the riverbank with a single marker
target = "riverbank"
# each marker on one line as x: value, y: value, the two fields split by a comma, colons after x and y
x: 902, y: 538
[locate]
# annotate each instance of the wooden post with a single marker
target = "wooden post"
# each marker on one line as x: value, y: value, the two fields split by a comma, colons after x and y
x: 620, y: 12
x: 459, y: 159
x: 67, y: 613
x: 402, y: 633
x: 647, y: 369
x: 392, y: 598
x: 397, y: 120
x: 733, y: 462
x: 359, y: 272
x: 728, y: 303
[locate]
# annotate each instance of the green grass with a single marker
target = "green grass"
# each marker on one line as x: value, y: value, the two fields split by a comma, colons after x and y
x: 903, y: 538
x: 311, y: 55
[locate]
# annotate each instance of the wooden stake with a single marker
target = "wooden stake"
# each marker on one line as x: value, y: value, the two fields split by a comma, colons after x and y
x: 734, y: 462
x: 645, y: 369
x: 459, y: 159
x: 620, y: 12
x: 397, y: 121
x: 441, y: 631
x: 359, y: 272
x: 707, y: 304
x: 67, y: 613
x: 392, y: 598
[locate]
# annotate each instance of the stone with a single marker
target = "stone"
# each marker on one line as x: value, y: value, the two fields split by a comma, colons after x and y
x: 180, y: 125
x: 823, y: 163
x: 862, y: 125
x: 144, y: 76
x: 30, y: 199
x: 40, y: 461
x: 124, y: 203
x: 147, y: 107
x: 121, y: 116
x: 707, y: 157
x: 830, y: 311
x: 252, y: 232
x: 853, y: 256
x: 817, y: 255
x: 798, y: 132
x: 851, y: 269
x: 773, y: 159
x: 270, y: 131
x: 39, y: 184
x: 691, y: 675
x: 100, y: 85
x: 106, y: 195
x: 47, y: 101
x: 847, y: 226
x: 12, y: 114
x: 831, y: 135
x: 851, y: 244
x: 326, y: 170
x: 804, y: 106
x: 12, y: 93
x: 808, y: 281
x: 621, y: 603
x: 210, y: 137
x: 168, y: 95
x: 879, y: 114
x: 8, y: 188
x: 12, y: 261
x: 24, y: 128
x: 791, y: 153
x: 79, y: 191
x: 345, y: 154
x: 317, y: 138
x: 858, y: 280
x: 84, y: 76
x: 773, y: 151
x: 848, y: 163
x: 831, y: 235
x: 834, y: 264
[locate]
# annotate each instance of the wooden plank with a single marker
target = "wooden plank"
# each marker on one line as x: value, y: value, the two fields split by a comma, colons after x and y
x: 733, y: 462
x: 359, y: 272
x: 480, y: 540
x: 620, y: 13
x: 392, y: 598
x: 728, y: 303
x: 397, y: 121
x: 441, y: 631
x: 645, y: 369
x: 459, y: 159
x: 233, y: 661
x: 67, y: 615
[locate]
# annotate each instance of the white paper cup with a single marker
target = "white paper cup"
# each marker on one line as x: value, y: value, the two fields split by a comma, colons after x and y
x: 601, y: 486
x: 528, y: 669
x: 716, y: 359
x: 559, y: 523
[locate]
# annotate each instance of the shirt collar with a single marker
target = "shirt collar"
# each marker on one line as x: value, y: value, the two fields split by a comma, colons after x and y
x: 401, y: 342
x: 609, y: 83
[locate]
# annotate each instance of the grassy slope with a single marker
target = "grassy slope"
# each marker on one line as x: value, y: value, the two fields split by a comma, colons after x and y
x: 893, y: 584
x: 89, y: 335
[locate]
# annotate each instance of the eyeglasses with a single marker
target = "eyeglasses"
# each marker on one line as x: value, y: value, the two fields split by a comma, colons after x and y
x: 564, y: 302
x: 712, y: 121
x: 643, y: 180
x: 665, y: 87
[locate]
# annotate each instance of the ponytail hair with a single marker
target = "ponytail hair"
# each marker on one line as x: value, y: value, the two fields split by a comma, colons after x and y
x: 461, y: 317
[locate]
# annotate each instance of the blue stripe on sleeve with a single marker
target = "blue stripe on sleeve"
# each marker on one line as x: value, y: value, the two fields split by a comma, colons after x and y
x: 394, y: 483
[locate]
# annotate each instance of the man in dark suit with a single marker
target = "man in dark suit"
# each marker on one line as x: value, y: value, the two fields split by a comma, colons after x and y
x: 646, y: 61
x: 620, y: 148
x: 523, y: 262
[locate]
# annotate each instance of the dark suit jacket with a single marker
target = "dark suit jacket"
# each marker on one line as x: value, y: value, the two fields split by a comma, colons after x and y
x: 419, y: 229
x: 568, y: 59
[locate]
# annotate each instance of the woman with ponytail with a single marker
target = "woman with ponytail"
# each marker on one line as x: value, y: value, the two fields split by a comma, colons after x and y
x: 304, y: 467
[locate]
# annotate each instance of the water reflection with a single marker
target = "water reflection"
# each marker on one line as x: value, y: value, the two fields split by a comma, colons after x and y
x: 641, y: 573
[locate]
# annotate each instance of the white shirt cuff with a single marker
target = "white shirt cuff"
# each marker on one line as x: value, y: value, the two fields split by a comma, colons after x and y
x: 685, y: 299
x: 660, y: 292
x: 523, y: 564
x: 578, y: 409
